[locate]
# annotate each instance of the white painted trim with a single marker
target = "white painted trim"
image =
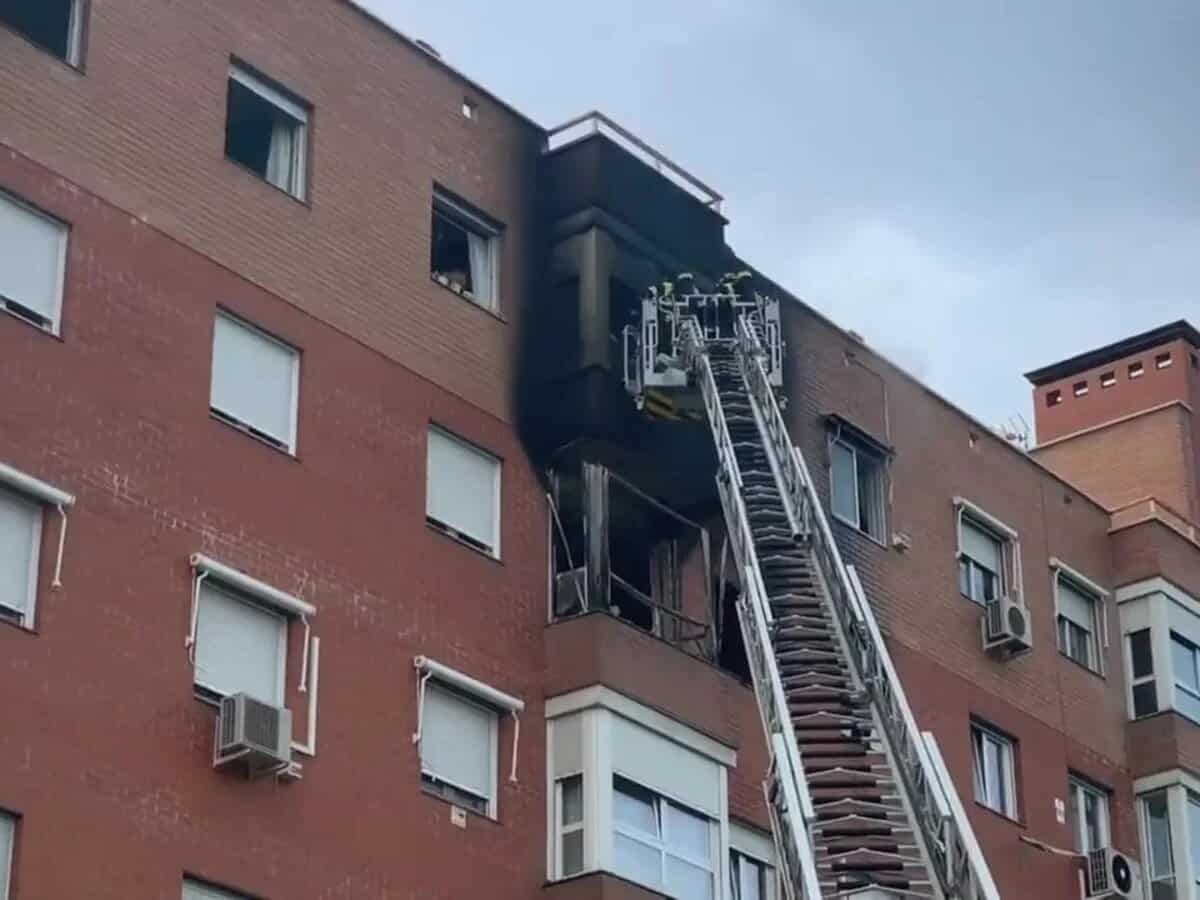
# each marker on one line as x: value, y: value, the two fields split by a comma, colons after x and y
x: 33, y: 487
x: 986, y: 519
x: 1158, y: 585
x: 252, y: 586
x: 1161, y: 780
x: 599, y: 696
x: 75, y: 33
x: 468, y: 685
x: 272, y: 95
x: 1078, y: 577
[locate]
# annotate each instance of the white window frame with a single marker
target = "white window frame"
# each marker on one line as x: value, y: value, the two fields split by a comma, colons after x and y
x: 194, y: 887
x: 8, y: 822
x: 484, y: 696
x: 23, y: 489
x: 497, y: 493
x: 55, y: 325
x: 660, y: 843
x: 1081, y: 584
x: 287, y: 445
x: 1176, y: 638
x: 1136, y: 681
x: 562, y: 829
x: 458, y: 213
x: 1010, y: 580
x: 880, y: 465
x: 25, y: 618
x: 981, y: 737
x: 1078, y: 790
x: 1176, y: 833
x: 759, y: 849
x: 296, y: 111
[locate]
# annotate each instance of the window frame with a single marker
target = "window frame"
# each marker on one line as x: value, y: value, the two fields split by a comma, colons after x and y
x: 213, y: 695
x: 660, y: 842
x: 289, y: 104
x: 981, y: 736
x: 1079, y: 789
x: 562, y: 828
x: 28, y: 617
x: 54, y: 326
x: 879, y: 464
x: 430, y: 778
x: 1177, y: 639
x: 459, y: 213
x: 248, y: 428
x: 747, y: 844
x: 75, y: 35
x: 10, y: 821
x: 1097, y: 637
x: 1143, y: 802
x: 1009, y: 581
x: 448, y: 528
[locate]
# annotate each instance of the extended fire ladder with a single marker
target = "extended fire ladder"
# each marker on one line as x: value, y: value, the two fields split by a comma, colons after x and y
x: 860, y: 800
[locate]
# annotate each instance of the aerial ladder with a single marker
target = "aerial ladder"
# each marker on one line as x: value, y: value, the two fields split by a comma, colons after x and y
x: 860, y: 801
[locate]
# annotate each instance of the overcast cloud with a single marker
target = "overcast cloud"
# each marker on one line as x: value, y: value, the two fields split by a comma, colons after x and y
x: 976, y: 188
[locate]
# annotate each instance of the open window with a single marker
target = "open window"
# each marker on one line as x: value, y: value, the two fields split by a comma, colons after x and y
x: 1080, y: 617
x: 464, y: 250
x: 993, y: 755
x: 23, y: 504
x: 858, y: 479
x: 989, y: 556
x: 1087, y: 813
x: 54, y: 25
x: 31, y: 278
x: 266, y: 130
x: 752, y: 874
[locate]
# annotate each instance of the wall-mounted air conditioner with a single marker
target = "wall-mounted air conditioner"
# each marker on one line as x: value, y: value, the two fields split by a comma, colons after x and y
x: 253, y: 735
x: 1110, y: 874
x: 1006, y: 626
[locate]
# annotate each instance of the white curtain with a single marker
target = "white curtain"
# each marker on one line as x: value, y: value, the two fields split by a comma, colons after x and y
x: 281, y: 158
x: 480, y: 247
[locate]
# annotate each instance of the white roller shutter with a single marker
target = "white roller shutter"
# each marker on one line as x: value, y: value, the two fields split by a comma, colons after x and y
x: 32, y: 253
x: 19, y: 530
x: 239, y: 646
x: 1077, y: 606
x: 981, y: 546
x: 463, y: 489
x: 254, y: 379
x: 456, y: 741
x: 666, y: 767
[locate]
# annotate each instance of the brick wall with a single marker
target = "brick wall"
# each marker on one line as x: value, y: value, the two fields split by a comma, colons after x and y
x: 142, y: 126
x: 111, y: 764
x: 1151, y: 548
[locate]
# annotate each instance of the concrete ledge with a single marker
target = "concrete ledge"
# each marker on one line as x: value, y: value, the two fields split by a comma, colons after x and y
x: 599, y: 886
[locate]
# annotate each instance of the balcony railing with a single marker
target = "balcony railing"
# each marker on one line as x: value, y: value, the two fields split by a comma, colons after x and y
x: 594, y: 122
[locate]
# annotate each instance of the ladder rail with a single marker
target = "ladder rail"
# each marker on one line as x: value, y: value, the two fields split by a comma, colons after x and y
x: 791, y: 824
x: 958, y: 863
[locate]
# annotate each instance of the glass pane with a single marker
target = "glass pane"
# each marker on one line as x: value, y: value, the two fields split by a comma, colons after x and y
x: 572, y: 853
x: 637, y: 862
x: 1193, y: 815
x: 634, y: 807
x: 1183, y: 663
x: 1188, y: 704
x: 572, y: 800
x: 688, y: 882
x: 987, y: 588
x: 845, y: 484
x: 1093, y: 821
x: 749, y: 881
x: 1140, y: 654
x: 688, y: 834
x: 1158, y: 828
x: 1145, y: 699
x: 977, y: 758
x: 994, y: 769
x: 964, y: 577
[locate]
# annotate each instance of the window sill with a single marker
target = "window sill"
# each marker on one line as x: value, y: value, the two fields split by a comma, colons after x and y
x: 494, y: 313
x: 972, y: 601
x: 447, y: 533
x: 841, y: 520
x: 18, y: 626
x: 247, y: 431
x: 1085, y: 668
x: 304, y: 201
x: 434, y: 795
x: 40, y: 329
x: 1003, y: 817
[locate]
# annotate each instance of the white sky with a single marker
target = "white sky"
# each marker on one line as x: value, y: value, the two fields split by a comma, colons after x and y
x: 977, y: 189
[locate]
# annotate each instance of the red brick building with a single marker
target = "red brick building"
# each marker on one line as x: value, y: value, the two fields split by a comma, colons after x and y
x: 314, y: 356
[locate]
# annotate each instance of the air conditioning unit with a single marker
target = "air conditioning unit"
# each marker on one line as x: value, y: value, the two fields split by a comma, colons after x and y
x: 253, y: 734
x: 1110, y: 874
x: 570, y: 591
x: 1006, y: 626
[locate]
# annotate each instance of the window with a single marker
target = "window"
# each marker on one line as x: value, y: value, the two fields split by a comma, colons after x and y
x: 255, y: 382
x: 568, y: 801
x: 1141, y: 670
x: 1136, y: 370
x: 980, y: 562
x: 463, y: 491
x: 267, y: 131
x: 1162, y: 360
x: 1088, y: 813
x: 1079, y: 388
x: 995, y: 785
x: 469, y: 108
x: 1185, y: 668
x: 1108, y: 379
x: 1193, y: 821
x: 199, y: 890
x: 241, y: 646
x: 857, y: 487
x: 464, y: 251
x: 1053, y: 398
x: 20, y: 539
x: 31, y: 278
x: 1078, y: 622
x: 1156, y: 826
x: 458, y: 749
x: 662, y: 845
x: 751, y: 875
x: 54, y: 25
x: 8, y: 829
